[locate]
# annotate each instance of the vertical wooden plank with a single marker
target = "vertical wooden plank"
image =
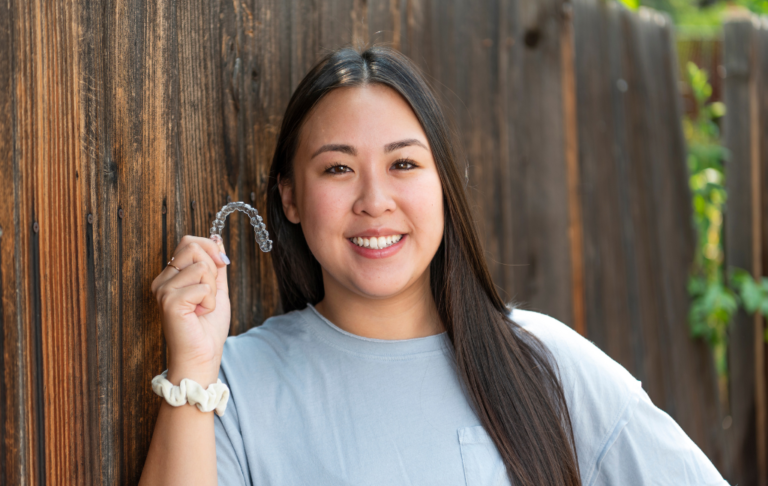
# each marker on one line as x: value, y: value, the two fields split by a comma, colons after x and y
x: 608, y: 269
x: 755, y: 84
x: 127, y: 188
x: 270, y: 79
x: 266, y: 52
x: 635, y: 94
x: 762, y: 103
x: 27, y: 374
x: 13, y: 460
x: 97, y: 181
x: 541, y: 246
x: 508, y: 51
x: 58, y: 235
x: 384, y: 22
x: 338, y: 20
x: 571, y: 149
x: 304, y: 41
x: 417, y: 37
x: 738, y: 245
x: 692, y: 381
x: 478, y: 51
x: 16, y: 462
x: 638, y: 236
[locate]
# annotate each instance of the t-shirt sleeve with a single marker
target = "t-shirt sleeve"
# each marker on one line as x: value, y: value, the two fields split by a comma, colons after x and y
x: 231, y: 464
x: 621, y: 436
x: 649, y: 447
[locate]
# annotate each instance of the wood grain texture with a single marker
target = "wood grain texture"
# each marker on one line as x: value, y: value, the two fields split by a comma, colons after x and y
x: 738, y: 44
x: 125, y: 125
x: 746, y: 66
x: 761, y: 88
x: 758, y: 165
x: 637, y: 213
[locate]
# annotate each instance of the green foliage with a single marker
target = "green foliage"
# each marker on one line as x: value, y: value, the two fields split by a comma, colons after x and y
x: 754, y: 295
x: 690, y: 18
x: 631, y: 4
x: 715, y: 301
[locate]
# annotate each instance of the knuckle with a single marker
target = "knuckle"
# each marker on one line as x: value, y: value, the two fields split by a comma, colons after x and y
x: 182, y: 244
x: 201, y: 267
x: 162, y: 298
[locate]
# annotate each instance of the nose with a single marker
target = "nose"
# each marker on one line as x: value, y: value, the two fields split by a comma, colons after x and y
x: 376, y: 195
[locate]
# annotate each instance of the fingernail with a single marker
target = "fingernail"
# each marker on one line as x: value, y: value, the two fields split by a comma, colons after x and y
x: 224, y: 257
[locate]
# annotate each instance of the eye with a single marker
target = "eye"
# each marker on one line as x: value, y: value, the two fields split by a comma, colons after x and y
x: 337, y: 169
x: 404, y: 164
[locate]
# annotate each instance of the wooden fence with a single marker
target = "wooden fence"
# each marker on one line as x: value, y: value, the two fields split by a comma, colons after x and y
x: 638, y: 235
x: 746, y: 235
x: 126, y: 124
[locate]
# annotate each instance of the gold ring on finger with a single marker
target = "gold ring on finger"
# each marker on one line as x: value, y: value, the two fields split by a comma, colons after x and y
x: 169, y: 264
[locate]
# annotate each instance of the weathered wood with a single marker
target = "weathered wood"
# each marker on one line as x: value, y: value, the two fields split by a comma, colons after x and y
x: 540, y: 244
x: 607, y: 295
x: 637, y: 213
x: 571, y: 149
x: 738, y: 44
x: 690, y: 375
x: 761, y: 222
x: 125, y: 125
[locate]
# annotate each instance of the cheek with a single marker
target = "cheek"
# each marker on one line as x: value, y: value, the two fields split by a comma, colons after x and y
x: 322, y: 212
x: 425, y: 208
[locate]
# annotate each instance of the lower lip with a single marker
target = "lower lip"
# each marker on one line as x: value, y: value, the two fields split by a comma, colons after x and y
x: 383, y: 253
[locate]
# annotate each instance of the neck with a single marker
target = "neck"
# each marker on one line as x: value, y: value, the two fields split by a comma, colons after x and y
x: 410, y: 314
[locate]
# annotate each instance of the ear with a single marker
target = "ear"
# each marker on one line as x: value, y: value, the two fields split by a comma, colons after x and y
x: 288, y: 199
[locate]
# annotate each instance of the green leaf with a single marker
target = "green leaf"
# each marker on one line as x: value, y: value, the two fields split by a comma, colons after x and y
x: 631, y: 4
x: 717, y: 109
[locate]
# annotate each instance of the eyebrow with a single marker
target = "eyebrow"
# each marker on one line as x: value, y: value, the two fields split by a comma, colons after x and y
x: 348, y: 149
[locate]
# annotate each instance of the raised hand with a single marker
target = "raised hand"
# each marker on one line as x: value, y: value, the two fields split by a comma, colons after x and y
x: 194, y: 299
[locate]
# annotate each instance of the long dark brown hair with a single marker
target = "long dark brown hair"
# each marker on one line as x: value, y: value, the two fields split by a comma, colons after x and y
x: 509, y: 374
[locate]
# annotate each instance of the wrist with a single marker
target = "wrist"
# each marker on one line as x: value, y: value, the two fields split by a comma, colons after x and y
x: 204, y: 375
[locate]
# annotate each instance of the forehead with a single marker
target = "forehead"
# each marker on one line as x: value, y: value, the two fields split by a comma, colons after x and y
x: 366, y: 117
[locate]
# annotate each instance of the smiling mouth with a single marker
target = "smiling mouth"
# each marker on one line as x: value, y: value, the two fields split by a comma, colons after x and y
x: 376, y: 243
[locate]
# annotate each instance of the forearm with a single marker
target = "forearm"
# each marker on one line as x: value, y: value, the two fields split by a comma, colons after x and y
x: 183, y: 447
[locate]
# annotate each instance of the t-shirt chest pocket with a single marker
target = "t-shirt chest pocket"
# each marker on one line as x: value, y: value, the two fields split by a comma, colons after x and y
x: 483, y: 465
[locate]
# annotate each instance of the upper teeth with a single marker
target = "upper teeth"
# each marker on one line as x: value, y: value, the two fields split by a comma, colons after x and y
x: 377, y: 243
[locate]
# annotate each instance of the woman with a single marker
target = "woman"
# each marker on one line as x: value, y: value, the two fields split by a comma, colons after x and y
x: 396, y: 361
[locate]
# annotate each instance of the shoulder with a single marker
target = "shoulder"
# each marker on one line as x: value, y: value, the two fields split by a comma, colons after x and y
x: 600, y: 393
x: 621, y: 436
x: 578, y: 360
x: 265, y: 346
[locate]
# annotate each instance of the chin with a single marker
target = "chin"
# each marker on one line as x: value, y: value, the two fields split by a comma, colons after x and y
x: 382, y: 290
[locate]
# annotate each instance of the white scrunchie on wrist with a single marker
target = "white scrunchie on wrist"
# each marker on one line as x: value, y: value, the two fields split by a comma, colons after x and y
x: 215, y: 397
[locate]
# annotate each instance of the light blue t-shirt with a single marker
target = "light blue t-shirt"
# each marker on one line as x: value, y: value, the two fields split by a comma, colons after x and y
x: 312, y: 404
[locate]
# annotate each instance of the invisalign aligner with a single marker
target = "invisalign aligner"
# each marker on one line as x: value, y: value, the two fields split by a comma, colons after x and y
x: 262, y: 236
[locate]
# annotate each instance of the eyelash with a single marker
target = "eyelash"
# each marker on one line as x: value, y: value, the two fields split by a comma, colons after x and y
x: 398, y: 161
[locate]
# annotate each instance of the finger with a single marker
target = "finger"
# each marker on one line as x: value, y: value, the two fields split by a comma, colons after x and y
x: 220, y: 245
x: 186, y: 300
x: 221, y: 277
x: 195, y: 252
x: 187, y: 253
x: 194, y: 274
x: 215, y: 249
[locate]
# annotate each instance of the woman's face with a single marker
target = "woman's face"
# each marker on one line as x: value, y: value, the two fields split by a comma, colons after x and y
x: 366, y: 192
